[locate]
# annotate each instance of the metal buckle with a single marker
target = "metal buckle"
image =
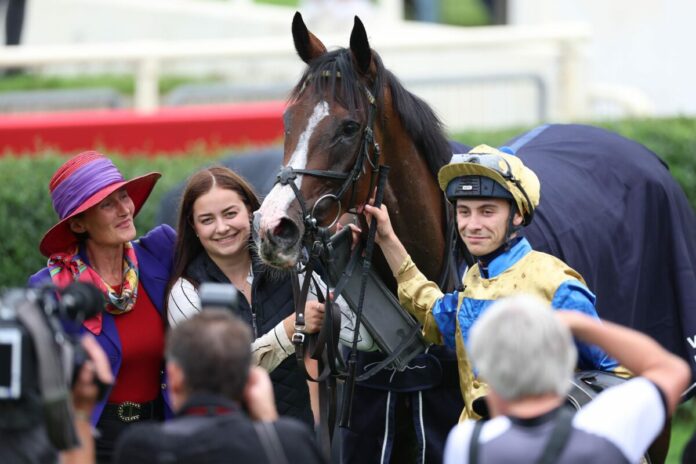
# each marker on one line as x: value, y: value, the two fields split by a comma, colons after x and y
x: 298, y: 337
x: 128, y: 411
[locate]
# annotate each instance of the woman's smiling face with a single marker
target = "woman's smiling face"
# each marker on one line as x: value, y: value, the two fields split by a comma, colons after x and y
x: 222, y: 222
x: 108, y: 223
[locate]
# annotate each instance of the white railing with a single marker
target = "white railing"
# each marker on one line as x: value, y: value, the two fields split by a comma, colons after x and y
x: 554, y: 53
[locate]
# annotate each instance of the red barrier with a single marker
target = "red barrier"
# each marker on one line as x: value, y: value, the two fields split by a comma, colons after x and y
x: 127, y: 132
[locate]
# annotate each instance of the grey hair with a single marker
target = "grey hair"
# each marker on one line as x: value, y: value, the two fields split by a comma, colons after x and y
x: 521, y: 349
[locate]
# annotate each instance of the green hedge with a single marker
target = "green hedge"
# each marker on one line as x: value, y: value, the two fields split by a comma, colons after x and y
x: 26, y: 212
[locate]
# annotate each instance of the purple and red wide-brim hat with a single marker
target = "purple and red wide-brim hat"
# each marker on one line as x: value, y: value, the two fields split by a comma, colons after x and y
x: 81, y: 183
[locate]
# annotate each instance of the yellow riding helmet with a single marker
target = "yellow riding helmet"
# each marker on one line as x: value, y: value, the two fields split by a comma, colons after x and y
x: 468, y: 175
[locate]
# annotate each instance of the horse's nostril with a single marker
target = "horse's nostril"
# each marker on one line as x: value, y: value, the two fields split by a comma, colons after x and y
x: 286, y: 231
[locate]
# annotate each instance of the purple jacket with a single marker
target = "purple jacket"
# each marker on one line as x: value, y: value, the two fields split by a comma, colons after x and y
x: 155, y: 252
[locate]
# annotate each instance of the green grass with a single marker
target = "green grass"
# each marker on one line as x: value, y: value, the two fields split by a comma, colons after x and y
x: 122, y: 83
x: 683, y: 427
x: 454, y: 12
x: 294, y: 3
x: 463, y: 13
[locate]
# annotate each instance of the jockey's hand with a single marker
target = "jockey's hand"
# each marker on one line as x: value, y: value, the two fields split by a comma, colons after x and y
x: 385, y: 232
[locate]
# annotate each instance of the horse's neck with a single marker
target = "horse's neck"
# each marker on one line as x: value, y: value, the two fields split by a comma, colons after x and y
x: 416, y: 208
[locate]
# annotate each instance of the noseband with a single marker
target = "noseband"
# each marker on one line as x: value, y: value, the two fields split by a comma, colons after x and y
x: 287, y: 174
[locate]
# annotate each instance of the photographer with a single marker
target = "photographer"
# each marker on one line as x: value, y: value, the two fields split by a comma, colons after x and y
x: 224, y: 406
x: 50, y: 380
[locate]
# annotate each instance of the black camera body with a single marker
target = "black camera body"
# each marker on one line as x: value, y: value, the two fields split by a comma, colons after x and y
x: 219, y: 296
x: 40, y: 355
x: 15, y: 344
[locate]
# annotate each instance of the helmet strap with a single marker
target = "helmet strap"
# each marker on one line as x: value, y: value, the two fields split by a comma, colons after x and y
x: 508, y: 242
x: 511, y: 227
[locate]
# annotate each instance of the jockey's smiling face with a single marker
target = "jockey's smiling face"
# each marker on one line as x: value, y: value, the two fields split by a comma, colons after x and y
x: 483, y: 222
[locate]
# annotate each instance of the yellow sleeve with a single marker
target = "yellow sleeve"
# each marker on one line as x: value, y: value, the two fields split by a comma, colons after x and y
x: 418, y: 295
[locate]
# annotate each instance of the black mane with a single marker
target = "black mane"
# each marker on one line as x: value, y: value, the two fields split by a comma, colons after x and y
x: 333, y: 75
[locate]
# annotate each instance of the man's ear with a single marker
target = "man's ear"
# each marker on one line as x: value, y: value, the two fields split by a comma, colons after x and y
x: 176, y: 383
x: 76, y: 225
x: 496, y: 405
x: 517, y: 220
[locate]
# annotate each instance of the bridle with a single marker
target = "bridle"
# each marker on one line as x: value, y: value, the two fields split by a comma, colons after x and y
x: 318, y: 242
x: 288, y: 174
x: 317, y: 239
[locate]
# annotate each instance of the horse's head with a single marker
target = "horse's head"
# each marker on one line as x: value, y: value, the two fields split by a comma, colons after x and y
x: 332, y: 135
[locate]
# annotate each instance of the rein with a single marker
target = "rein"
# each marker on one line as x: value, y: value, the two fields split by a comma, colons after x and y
x: 323, y: 347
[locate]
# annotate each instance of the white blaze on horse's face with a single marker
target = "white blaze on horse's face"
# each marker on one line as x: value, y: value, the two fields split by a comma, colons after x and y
x: 275, y: 206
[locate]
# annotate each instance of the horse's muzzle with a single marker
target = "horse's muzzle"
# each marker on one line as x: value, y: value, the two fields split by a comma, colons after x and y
x: 277, y: 241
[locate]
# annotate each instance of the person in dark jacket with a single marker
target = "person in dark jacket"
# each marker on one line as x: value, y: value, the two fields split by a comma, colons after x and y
x: 225, y: 408
x: 214, y: 245
x: 94, y: 242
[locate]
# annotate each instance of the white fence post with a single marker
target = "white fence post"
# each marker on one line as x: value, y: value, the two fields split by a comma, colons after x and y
x: 147, y: 85
x: 571, y: 82
x: 392, y: 10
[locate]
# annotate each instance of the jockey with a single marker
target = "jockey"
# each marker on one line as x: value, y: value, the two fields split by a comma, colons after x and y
x: 494, y: 196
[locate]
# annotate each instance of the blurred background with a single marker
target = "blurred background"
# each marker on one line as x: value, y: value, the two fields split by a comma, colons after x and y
x: 172, y: 85
x: 525, y: 61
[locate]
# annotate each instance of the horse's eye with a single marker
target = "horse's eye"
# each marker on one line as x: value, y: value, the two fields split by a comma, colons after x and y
x: 349, y: 128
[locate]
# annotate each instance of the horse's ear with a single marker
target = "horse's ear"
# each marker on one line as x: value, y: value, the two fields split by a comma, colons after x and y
x: 360, y: 47
x: 306, y: 43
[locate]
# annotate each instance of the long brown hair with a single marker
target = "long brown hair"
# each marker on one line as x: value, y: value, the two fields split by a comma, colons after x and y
x: 188, y: 245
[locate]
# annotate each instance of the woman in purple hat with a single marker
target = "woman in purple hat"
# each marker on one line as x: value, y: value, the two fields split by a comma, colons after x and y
x: 94, y: 242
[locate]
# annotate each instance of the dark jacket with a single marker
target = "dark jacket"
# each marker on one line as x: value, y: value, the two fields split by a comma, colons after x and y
x: 211, y: 429
x: 272, y: 302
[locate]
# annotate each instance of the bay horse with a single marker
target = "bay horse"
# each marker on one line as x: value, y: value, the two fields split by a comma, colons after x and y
x: 348, y: 114
x: 348, y: 107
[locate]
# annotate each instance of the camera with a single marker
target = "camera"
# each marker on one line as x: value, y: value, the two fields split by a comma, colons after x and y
x: 219, y: 296
x: 40, y: 356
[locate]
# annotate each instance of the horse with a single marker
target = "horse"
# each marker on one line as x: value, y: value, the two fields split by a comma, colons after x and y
x: 347, y: 106
x: 348, y: 115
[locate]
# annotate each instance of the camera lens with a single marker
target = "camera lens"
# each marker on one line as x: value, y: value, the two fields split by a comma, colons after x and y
x: 80, y: 301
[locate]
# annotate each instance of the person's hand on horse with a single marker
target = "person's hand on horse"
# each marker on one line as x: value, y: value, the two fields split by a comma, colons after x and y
x: 385, y: 231
x: 356, y: 232
x: 258, y: 395
x: 314, y: 318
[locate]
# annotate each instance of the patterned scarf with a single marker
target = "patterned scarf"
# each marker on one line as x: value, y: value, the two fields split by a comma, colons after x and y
x: 66, y: 268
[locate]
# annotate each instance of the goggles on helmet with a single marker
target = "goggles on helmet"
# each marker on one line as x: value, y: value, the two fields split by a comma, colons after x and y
x: 488, y: 160
x: 486, y: 172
